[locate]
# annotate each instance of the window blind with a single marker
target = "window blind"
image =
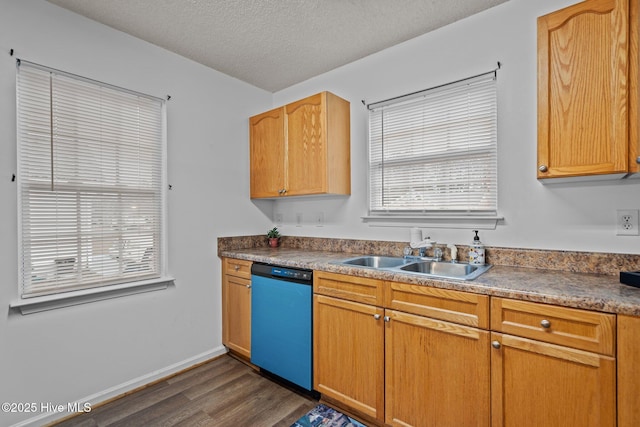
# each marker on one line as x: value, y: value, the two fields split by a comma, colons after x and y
x: 435, y: 151
x: 90, y: 179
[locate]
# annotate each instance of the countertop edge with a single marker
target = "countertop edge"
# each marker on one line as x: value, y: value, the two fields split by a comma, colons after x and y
x: 602, y: 293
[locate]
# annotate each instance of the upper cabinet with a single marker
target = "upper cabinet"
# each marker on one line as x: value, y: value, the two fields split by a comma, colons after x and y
x: 588, y: 90
x: 302, y: 148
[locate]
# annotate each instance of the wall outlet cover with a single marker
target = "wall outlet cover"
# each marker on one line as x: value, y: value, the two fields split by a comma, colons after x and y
x: 627, y: 222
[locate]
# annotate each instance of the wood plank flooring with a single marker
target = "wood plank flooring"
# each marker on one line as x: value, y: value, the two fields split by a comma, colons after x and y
x: 220, y: 393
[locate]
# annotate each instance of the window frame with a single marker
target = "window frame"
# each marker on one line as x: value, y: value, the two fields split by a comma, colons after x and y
x: 444, y: 218
x: 151, y: 276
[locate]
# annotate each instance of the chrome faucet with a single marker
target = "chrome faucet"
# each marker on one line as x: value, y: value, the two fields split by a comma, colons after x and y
x: 454, y: 253
x: 437, y: 254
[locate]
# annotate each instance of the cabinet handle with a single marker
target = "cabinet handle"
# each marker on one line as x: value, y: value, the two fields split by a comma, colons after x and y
x: 387, y: 319
x: 376, y: 316
x: 495, y: 344
x: 281, y: 192
x: 545, y: 324
x: 638, y: 160
x: 543, y: 168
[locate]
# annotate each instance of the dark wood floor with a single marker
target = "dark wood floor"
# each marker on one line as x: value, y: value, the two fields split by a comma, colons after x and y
x: 223, y: 392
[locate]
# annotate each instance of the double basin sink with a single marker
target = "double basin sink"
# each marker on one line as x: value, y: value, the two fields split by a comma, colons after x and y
x: 416, y: 265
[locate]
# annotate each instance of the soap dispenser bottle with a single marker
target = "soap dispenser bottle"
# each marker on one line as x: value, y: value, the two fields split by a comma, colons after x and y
x: 476, y: 251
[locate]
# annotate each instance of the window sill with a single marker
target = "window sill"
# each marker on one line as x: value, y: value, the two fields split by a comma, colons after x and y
x: 488, y: 222
x: 67, y: 299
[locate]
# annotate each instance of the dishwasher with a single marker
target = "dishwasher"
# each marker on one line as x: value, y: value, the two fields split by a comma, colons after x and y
x: 281, y: 322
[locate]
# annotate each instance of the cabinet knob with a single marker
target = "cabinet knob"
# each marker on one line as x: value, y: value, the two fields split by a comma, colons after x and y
x: 376, y: 316
x: 495, y: 344
x: 545, y: 324
x: 543, y: 168
x: 236, y: 267
x: 387, y: 319
x: 282, y: 192
x: 638, y: 160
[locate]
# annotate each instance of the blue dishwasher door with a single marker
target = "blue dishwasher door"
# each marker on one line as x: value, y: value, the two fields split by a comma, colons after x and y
x: 281, y: 329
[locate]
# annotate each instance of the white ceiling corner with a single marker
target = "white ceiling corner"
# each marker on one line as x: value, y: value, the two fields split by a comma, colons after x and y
x: 275, y: 44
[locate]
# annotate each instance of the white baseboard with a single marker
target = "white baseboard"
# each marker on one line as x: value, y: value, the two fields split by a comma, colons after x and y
x: 120, y: 389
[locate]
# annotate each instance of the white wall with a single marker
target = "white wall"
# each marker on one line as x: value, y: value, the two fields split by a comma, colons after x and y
x: 566, y: 216
x: 91, y: 350
x: 100, y: 348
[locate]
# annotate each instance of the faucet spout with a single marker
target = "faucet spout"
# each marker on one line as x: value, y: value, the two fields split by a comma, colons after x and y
x: 454, y: 252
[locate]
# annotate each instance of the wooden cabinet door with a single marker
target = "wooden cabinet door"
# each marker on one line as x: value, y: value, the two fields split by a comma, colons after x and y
x: 539, y: 384
x: 634, y: 86
x: 267, y: 153
x: 236, y: 314
x: 348, y: 353
x: 583, y: 67
x: 437, y: 373
x: 306, y: 146
x: 628, y: 371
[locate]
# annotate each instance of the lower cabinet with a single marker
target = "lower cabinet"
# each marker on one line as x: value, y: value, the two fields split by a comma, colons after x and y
x: 349, y: 353
x: 436, y: 373
x: 413, y: 355
x: 540, y: 384
x: 236, y: 306
x: 401, y: 368
x: 537, y: 381
x: 628, y: 371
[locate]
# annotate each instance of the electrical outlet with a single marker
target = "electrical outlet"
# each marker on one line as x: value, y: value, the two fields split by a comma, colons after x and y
x: 627, y: 222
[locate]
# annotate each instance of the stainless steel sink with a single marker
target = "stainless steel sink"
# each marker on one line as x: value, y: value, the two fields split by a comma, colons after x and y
x: 421, y: 266
x: 451, y: 270
x: 375, y: 261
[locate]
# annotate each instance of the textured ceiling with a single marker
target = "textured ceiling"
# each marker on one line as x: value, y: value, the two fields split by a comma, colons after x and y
x: 273, y: 44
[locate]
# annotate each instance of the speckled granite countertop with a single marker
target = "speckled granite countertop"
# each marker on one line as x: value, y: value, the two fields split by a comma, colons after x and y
x: 600, y: 292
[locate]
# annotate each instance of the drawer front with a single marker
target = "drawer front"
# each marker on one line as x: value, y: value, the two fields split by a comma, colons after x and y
x: 358, y: 289
x: 237, y: 267
x: 581, y: 329
x: 453, y: 306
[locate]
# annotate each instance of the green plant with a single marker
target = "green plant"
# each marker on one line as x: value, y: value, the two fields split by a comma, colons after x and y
x: 273, y: 233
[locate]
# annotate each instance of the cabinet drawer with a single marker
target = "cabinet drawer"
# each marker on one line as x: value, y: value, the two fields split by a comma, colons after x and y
x: 237, y: 267
x: 581, y: 329
x: 454, y: 306
x: 358, y: 289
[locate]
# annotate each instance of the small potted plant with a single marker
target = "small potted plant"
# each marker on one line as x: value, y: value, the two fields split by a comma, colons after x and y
x: 274, y: 237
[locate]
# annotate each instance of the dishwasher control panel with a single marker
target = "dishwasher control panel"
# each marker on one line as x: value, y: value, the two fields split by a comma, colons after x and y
x: 291, y: 274
x: 276, y: 271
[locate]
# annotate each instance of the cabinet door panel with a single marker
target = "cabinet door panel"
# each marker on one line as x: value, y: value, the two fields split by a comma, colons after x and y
x: 634, y: 86
x: 348, y: 352
x: 628, y: 371
x: 267, y: 145
x: 306, y: 146
x: 437, y: 373
x: 582, y: 89
x: 237, y: 315
x: 539, y: 384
